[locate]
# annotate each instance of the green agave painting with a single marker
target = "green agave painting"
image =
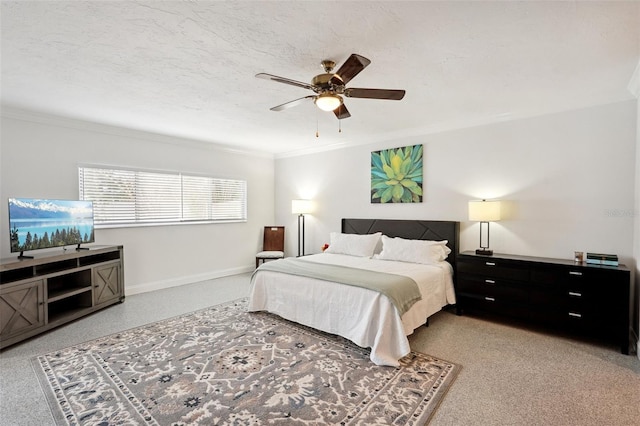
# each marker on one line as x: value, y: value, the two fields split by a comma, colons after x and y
x: 396, y: 175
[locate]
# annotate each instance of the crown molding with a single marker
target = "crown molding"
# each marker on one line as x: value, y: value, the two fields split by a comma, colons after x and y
x: 73, y: 123
x: 410, y: 135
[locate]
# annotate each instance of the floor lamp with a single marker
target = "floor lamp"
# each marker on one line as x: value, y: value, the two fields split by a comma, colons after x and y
x: 484, y: 211
x: 301, y: 207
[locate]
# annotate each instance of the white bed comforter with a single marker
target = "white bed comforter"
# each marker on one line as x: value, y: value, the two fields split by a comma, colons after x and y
x: 363, y: 316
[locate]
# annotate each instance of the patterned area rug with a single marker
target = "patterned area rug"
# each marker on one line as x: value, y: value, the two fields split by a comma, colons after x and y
x: 223, y: 365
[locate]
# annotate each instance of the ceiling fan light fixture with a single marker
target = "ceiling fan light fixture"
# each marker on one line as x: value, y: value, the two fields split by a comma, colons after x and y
x: 328, y: 101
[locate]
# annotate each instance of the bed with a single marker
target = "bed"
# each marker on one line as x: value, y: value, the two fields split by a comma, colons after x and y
x: 366, y: 316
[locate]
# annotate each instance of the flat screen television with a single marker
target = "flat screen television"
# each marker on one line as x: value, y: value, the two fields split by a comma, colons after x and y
x: 39, y: 224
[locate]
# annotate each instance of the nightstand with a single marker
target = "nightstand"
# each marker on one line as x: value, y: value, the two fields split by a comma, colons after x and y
x: 560, y: 294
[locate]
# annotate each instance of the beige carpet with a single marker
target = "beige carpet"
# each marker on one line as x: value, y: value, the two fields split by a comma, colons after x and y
x: 222, y: 365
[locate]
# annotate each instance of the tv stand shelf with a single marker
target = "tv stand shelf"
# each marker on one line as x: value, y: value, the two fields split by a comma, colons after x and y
x: 64, y: 294
x: 51, y: 289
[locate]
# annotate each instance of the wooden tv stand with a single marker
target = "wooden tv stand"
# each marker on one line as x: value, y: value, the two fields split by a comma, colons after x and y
x: 52, y: 289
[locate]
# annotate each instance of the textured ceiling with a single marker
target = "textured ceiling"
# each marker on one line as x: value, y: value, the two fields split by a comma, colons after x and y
x: 187, y: 68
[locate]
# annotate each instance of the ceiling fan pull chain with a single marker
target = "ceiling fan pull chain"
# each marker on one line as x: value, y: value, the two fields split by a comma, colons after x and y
x: 339, y: 126
x: 317, y: 134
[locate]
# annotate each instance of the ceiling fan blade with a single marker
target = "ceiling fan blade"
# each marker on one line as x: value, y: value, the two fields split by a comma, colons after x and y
x: 351, y: 67
x: 394, y: 95
x: 285, y: 81
x: 291, y: 103
x: 341, y: 112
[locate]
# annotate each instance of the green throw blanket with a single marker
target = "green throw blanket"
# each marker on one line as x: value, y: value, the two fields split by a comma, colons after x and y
x: 402, y: 291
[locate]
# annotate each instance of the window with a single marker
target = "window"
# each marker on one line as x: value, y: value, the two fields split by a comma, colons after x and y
x: 123, y: 197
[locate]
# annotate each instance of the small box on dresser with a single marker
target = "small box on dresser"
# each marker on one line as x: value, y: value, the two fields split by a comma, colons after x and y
x: 580, y: 298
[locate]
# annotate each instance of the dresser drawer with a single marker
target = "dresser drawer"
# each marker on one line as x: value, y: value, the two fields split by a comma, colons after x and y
x: 499, y: 288
x: 577, y: 275
x: 487, y: 303
x: 495, y: 268
x: 572, y: 317
x: 571, y: 294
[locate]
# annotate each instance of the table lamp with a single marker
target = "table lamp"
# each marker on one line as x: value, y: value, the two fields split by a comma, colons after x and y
x: 484, y: 211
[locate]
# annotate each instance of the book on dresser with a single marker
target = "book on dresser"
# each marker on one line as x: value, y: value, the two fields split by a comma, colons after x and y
x: 602, y: 259
x: 580, y: 298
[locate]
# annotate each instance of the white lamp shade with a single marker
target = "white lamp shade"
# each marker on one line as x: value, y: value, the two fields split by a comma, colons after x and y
x: 328, y: 102
x: 484, y: 211
x: 301, y: 206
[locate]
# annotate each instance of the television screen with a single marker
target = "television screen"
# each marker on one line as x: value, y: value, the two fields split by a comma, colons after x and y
x: 37, y: 224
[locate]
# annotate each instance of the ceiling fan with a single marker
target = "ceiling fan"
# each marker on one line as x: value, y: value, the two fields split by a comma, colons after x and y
x: 330, y: 87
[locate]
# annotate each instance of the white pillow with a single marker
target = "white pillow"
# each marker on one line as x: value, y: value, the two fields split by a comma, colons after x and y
x: 353, y: 244
x: 414, y: 251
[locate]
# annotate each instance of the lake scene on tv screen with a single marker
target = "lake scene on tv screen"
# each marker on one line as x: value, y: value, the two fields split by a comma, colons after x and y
x: 37, y: 224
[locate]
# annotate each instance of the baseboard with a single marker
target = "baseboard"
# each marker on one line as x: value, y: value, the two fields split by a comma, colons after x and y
x: 190, y: 279
x: 636, y: 339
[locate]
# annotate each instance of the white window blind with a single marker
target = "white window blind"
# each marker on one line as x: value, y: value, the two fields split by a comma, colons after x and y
x: 123, y: 197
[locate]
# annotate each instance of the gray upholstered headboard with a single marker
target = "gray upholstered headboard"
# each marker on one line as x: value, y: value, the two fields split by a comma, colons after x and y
x: 410, y: 229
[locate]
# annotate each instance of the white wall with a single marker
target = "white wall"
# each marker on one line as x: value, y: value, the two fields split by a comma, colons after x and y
x: 40, y: 156
x: 568, y: 180
x: 636, y: 233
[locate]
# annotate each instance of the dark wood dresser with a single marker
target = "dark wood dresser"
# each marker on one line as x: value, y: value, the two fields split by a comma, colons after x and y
x: 580, y: 298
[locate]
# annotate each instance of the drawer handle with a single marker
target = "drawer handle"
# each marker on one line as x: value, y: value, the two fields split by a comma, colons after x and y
x: 575, y: 315
x: 490, y: 263
x: 489, y: 281
x: 490, y: 299
x: 575, y: 273
x: 573, y: 293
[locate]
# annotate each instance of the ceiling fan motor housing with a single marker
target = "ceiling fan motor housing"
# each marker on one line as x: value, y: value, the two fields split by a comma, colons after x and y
x: 324, y: 81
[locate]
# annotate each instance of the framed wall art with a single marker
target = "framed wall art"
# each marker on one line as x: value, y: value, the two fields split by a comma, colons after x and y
x: 396, y: 175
